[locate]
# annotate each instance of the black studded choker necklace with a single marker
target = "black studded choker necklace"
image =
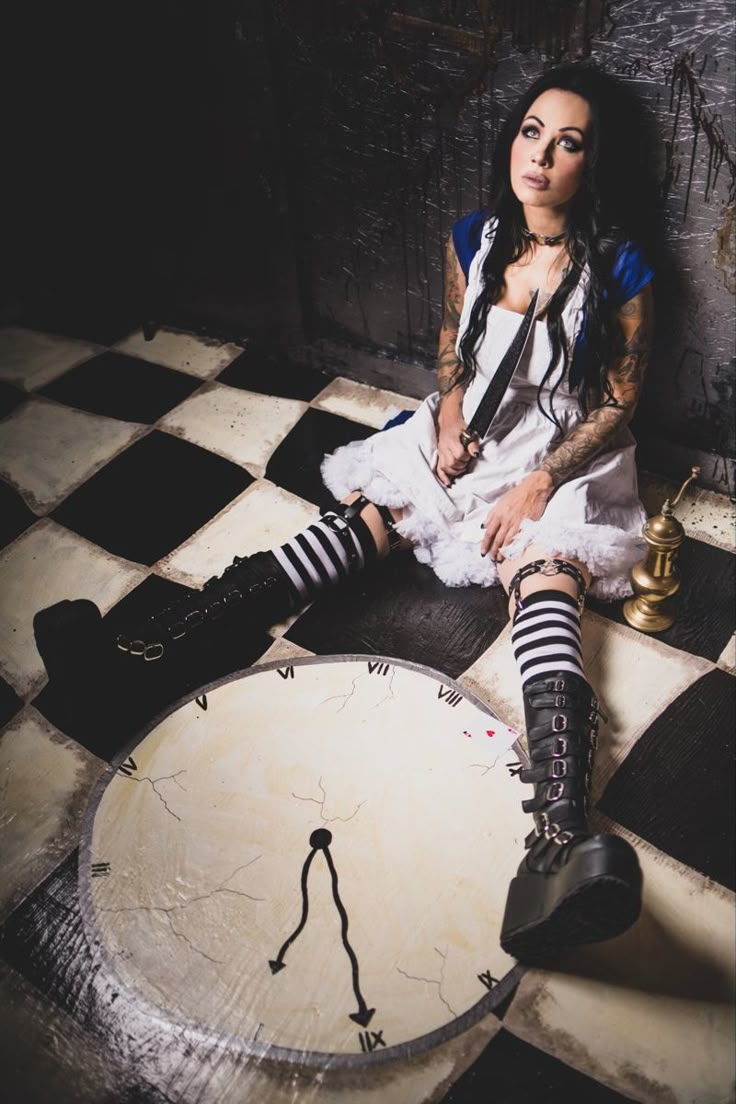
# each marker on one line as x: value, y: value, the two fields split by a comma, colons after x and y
x: 542, y: 239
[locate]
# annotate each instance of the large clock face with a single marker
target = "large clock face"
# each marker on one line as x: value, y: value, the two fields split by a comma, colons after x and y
x: 311, y: 860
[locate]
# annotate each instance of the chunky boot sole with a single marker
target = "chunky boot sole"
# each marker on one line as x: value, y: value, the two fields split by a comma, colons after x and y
x: 94, y: 691
x: 595, y: 896
x: 70, y: 638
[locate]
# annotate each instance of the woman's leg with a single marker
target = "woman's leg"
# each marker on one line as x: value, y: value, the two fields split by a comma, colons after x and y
x: 545, y: 611
x: 572, y: 887
x: 264, y: 588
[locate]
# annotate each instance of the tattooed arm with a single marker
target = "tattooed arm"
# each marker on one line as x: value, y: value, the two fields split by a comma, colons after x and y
x: 452, y: 456
x: 589, y: 437
x: 625, y: 376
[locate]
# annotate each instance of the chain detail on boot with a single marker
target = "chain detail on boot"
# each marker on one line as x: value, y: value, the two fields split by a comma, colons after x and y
x: 257, y: 580
x: 562, y: 735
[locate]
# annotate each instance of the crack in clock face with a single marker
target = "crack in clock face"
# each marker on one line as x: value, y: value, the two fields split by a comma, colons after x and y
x: 222, y: 898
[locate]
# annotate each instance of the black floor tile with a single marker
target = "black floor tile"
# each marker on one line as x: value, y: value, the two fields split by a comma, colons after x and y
x: 10, y: 703
x: 44, y: 940
x: 10, y: 397
x: 401, y: 609
x: 124, y: 387
x: 107, y: 709
x: 677, y: 786
x: 15, y: 516
x: 510, y: 1071
x: 153, y: 496
x: 704, y: 608
x: 296, y: 462
x: 43, y: 937
x: 269, y: 371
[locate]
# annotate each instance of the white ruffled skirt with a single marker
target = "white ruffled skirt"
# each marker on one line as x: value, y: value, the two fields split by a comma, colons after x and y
x: 595, y: 517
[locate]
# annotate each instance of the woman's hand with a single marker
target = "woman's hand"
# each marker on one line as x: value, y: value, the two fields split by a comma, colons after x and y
x: 452, y: 456
x: 527, y: 500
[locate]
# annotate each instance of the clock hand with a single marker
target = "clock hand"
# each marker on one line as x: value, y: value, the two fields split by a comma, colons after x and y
x: 277, y: 963
x: 364, y: 1015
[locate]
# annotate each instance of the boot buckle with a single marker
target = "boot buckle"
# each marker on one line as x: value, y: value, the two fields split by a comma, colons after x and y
x: 559, y: 768
x: 541, y: 825
x: 552, y: 831
x: 562, y: 838
x: 137, y: 647
x: 558, y: 684
x: 559, y: 722
x: 554, y: 791
x: 153, y: 651
x: 560, y: 701
x: 177, y: 630
x: 560, y: 746
x: 122, y: 642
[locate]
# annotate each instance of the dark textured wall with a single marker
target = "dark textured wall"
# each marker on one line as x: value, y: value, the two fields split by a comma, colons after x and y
x: 294, y: 166
x: 391, y: 111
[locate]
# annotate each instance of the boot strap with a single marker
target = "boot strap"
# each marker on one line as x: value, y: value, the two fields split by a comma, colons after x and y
x: 560, y: 746
x: 556, y: 790
x: 554, y: 769
x: 549, y: 567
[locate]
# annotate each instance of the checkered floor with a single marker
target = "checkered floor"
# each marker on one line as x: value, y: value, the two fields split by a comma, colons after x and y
x: 134, y: 470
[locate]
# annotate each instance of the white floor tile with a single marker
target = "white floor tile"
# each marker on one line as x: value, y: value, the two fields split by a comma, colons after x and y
x: 44, y: 565
x: 360, y: 403
x: 651, y: 1012
x: 203, y: 357
x: 47, y: 450
x: 263, y: 517
x: 46, y: 780
x: 239, y: 425
x: 727, y: 658
x: 30, y: 359
x: 282, y: 651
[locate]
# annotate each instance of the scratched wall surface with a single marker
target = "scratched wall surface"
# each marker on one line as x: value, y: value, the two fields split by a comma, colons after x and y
x: 392, y: 110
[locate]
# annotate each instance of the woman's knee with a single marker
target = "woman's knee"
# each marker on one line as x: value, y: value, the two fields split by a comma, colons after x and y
x: 380, y: 530
x: 539, y: 579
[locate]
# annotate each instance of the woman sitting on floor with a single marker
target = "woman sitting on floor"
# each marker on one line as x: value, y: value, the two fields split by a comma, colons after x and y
x: 542, y: 500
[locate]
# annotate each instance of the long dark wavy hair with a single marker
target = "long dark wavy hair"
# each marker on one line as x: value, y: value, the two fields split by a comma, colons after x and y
x: 613, y: 203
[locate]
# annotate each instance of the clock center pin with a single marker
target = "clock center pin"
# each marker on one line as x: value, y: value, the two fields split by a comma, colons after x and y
x: 320, y: 839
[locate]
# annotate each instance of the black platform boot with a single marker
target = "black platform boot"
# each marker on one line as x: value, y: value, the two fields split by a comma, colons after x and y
x: 572, y: 887
x: 252, y: 587
x: 93, y: 682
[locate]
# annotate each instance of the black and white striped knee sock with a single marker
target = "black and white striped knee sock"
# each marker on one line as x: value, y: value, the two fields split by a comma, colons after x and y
x: 546, y: 635
x: 326, y: 552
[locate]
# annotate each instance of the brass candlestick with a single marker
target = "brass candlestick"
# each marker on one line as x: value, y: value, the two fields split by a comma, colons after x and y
x: 656, y: 578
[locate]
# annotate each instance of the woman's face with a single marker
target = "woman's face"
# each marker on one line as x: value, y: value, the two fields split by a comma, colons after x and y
x: 548, y: 153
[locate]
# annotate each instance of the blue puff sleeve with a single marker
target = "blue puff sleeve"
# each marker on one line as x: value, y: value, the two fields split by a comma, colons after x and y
x: 466, y: 235
x: 629, y: 275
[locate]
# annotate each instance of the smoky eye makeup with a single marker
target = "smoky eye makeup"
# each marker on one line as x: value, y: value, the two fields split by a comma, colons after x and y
x: 568, y: 141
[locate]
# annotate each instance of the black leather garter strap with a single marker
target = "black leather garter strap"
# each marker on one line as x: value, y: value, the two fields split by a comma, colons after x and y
x: 547, y: 567
x: 394, y: 537
x: 346, y: 513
